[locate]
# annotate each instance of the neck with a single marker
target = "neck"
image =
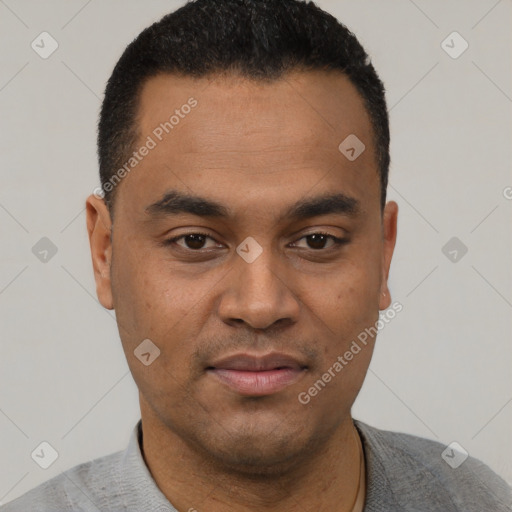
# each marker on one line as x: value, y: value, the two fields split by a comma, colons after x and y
x: 191, y: 480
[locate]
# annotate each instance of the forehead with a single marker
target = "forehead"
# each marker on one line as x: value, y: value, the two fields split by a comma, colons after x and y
x: 315, y: 108
x: 231, y: 133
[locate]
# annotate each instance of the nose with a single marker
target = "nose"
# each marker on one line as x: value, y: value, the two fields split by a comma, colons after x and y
x: 259, y: 294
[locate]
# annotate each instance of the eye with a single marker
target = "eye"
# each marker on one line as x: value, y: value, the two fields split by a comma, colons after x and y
x: 192, y: 241
x: 196, y: 241
x: 317, y: 241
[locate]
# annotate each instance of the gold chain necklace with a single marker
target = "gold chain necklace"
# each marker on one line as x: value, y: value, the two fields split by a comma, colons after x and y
x: 359, y: 499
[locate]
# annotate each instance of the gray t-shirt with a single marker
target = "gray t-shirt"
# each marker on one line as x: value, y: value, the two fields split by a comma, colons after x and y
x: 403, y: 473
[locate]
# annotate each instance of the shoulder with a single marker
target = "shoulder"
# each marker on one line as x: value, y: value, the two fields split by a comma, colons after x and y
x: 421, y: 469
x: 81, y: 488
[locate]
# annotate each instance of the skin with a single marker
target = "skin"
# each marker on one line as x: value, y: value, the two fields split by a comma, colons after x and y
x: 257, y: 148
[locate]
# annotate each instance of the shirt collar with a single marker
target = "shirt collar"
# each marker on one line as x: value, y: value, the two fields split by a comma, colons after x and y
x: 138, y: 484
x: 144, y: 495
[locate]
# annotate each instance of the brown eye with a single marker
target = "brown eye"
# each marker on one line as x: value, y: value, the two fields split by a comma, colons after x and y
x: 317, y: 241
x: 191, y: 241
x: 194, y: 241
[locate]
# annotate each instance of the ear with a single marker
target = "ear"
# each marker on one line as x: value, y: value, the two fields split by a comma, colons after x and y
x: 389, y: 232
x: 99, y: 227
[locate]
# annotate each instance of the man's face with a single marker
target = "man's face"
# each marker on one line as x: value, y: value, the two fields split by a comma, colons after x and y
x: 257, y: 150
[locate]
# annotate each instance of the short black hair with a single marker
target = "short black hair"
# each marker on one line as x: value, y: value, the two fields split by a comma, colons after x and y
x: 257, y: 39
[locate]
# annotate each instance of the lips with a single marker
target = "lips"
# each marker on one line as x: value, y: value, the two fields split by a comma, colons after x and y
x: 247, y: 362
x: 257, y: 375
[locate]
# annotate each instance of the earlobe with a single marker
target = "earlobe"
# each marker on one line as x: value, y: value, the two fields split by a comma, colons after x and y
x: 99, y: 227
x: 384, y: 300
x: 389, y: 232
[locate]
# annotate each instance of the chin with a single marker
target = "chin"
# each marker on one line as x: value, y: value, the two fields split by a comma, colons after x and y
x: 258, y: 452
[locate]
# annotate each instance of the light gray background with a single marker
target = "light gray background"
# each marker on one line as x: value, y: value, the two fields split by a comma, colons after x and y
x: 442, y: 367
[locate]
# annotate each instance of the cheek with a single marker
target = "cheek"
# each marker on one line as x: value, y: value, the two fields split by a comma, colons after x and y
x: 354, y: 296
x: 148, y: 297
x: 150, y: 305
x: 347, y: 309
x: 346, y: 317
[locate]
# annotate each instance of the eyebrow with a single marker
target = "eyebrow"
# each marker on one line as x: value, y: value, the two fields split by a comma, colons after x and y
x: 175, y: 202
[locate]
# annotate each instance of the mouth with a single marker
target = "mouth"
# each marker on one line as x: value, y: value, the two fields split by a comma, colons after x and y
x: 256, y: 375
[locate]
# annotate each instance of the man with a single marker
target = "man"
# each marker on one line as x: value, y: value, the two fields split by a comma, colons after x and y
x: 244, y: 242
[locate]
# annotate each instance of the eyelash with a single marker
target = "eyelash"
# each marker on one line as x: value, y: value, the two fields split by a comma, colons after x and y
x: 337, y: 241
